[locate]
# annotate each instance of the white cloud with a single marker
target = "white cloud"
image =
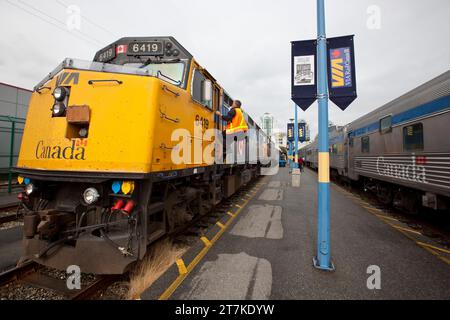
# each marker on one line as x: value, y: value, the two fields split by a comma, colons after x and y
x: 244, y: 44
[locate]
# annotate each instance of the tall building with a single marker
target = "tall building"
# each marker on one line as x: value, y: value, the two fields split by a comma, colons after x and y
x: 281, y: 138
x: 267, y: 123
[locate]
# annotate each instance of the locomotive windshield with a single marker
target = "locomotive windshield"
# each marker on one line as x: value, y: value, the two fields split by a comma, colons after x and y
x: 170, y: 71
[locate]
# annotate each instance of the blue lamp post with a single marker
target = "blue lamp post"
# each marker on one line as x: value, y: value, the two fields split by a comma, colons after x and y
x: 323, y: 259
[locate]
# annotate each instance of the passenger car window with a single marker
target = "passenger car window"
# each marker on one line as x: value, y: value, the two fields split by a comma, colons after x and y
x: 386, y: 124
x: 196, y: 89
x: 365, y: 144
x: 413, y: 137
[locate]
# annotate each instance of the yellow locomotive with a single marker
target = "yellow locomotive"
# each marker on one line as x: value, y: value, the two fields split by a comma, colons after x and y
x: 96, y: 159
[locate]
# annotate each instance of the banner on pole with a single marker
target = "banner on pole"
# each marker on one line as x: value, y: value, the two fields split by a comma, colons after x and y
x: 303, y: 73
x: 341, y: 71
x: 290, y: 132
x: 302, y: 132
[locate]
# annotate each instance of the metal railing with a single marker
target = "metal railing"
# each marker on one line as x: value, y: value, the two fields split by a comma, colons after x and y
x: 13, y: 130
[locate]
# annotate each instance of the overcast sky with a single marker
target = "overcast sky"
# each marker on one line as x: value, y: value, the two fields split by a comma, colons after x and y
x: 244, y: 44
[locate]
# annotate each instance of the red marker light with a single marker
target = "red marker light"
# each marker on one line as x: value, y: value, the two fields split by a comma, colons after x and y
x: 119, y: 204
x: 421, y: 160
x: 129, y: 206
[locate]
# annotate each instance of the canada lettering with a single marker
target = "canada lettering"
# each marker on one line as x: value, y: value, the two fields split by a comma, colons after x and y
x: 72, y: 152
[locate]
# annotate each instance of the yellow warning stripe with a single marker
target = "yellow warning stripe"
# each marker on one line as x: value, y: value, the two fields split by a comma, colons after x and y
x: 206, y: 241
x: 406, y: 229
x: 181, y: 267
x: 221, y: 226
x: 433, y: 247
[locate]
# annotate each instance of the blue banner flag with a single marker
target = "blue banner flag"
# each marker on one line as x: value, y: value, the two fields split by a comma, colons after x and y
x: 303, y: 73
x: 290, y: 132
x: 341, y: 71
x: 302, y: 132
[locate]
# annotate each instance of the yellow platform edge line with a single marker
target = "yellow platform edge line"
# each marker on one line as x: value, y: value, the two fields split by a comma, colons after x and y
x: 176, y: 283
x: 406, y: 229
x: 433, y: 247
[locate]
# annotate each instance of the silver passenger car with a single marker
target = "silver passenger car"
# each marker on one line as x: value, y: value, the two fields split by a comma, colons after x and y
x: 401, y: 150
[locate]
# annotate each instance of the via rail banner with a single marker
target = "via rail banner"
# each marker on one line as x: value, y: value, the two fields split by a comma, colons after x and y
x: 341, y: 71
x: 303, y: 73
x: 302, y: 132
x: 340, y: 67
x: 290, y: 132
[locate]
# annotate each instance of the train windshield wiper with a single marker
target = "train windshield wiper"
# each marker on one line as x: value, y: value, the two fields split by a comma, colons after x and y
x: 151, y: 61
x: 169, y: 78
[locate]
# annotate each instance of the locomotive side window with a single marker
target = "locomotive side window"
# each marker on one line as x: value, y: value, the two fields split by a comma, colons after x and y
x: 413, y: 137
x: 197, y: 89
x: 386, y: 124
x: 365, y: 144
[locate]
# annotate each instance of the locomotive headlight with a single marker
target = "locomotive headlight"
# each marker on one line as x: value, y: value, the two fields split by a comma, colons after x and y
x: 60, y: 93
x: 29, y: 188
x: 58, y: 109
x: 90, y: 195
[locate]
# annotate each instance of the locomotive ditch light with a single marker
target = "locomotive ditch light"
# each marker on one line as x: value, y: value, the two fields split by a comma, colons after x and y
x: 58, y: 109
x: 90, y: 195
x: 29, y: 188
x: 60, y: 93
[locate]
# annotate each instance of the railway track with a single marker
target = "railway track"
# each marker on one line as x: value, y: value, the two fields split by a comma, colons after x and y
x: 32, y: 274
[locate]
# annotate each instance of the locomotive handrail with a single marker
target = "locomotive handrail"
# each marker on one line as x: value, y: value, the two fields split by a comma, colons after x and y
x: 165, y: 88
x: 164, y: 116
x: 163, y: 146
x: 105, y: 80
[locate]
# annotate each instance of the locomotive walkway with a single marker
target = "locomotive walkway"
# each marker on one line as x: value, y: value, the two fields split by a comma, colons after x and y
x: 265, y: 251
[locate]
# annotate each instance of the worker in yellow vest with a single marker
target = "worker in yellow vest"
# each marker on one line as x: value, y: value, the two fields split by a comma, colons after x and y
x: 236, y: 124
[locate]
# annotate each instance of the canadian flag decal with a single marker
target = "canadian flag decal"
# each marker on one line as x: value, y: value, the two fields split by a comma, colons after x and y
x: 121, y: 49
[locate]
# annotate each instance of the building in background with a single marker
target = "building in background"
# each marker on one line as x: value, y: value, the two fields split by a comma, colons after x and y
x: 13, y: 111
x: 281, y: 138
x: 267, y: 123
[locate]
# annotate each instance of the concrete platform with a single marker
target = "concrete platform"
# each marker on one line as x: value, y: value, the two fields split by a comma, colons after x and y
x: 265, y: 251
